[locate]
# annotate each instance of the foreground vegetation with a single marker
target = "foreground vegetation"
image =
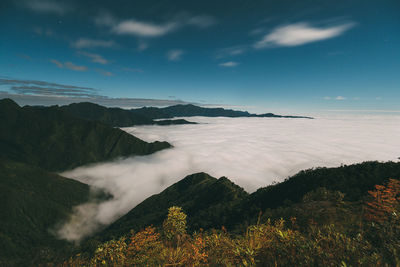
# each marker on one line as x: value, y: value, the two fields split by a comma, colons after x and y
x: 311, y: 225
x: 371, y: 238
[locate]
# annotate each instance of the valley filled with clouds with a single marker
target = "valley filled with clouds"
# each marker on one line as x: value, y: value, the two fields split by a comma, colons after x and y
x: 252, y: 152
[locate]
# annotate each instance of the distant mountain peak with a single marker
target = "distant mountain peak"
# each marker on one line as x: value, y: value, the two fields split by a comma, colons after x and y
x: 7, y: 102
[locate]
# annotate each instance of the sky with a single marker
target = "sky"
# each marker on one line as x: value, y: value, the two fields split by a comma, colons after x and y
x: 263, y: 56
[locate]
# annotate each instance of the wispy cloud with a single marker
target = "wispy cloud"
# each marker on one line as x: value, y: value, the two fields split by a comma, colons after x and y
x: 72, y: 66
x: 25, y: 56
x: 38, y: 90
x: 4, y: 81
x: 96, y: 58
x: 57, y: 63
x: 105, y: 72
x: 202, y: 21
x: 142, y: 46
x: 45, y: 6
x: 231, y: 51
x: 175, y: 54
x: 339, y: 98
x: 229, y: 64
x: 105, y: 19
x: 148, y: 29
x: 93, y: 43
x: 68, y: 65
x: 144, y: 29
x: 299, y: 34
x: 42, y: 88
x: 42, y: 31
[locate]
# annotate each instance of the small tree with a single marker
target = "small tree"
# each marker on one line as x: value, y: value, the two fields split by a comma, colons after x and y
x: 385, y: 202
x: 175, y: 224
x: 383, y: 213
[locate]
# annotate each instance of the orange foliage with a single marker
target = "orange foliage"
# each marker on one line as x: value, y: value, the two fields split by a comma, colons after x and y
x: 385, y: 201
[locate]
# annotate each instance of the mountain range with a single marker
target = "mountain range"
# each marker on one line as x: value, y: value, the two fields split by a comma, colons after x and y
x: 190, y: 110
x: 37, y: 142
x: 211, y: 203
x: 55, y: 140
x: 118, y: 117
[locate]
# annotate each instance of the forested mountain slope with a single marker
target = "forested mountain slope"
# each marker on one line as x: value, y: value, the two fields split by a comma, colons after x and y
x: 54, y: 140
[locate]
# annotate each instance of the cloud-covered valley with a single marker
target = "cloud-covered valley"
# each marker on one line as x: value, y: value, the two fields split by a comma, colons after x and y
x: 252, y: 152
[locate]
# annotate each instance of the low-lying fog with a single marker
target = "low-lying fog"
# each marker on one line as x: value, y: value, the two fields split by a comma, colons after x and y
x: 252, y: 152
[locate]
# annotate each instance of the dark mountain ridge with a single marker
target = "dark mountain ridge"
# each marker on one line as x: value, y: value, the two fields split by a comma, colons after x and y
x: 190, y: 110
x: 34, y: 142
x: 116, y: 117
x: 55, y: 140
x: 212, y: 203
x: 203, y: 197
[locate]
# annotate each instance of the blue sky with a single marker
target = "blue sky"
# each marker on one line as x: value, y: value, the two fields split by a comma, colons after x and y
x: 261, y: 55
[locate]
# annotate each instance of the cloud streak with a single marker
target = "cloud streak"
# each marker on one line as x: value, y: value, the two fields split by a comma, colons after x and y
x: 68, y: 65
x: 175, y: 54
x: 95, y: 58
x: 52, y: 91
x: 41, y: 88
x: 144, y: 29
x: 229, y: 64
x: 231, y: 51
x: 148, y: 29
x: 5, y: 81
x: 45, y: 6
x: 300, y: 34
x: 105, y: 72
x: 252, y: 152
x: 93, y: 43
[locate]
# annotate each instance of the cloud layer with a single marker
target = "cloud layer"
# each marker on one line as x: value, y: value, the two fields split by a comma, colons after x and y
x: 252, y: 152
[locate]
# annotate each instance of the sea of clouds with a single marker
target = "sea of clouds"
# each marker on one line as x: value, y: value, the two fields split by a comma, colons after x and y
x: 252, y: 152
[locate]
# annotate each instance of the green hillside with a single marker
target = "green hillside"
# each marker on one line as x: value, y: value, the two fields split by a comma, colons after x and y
x: 308, y: 224
x: 205, y: 198
x: 33, y: 201
x: 352, y: 180
x: 33, y: 142
x: 54, y: 140
x: 212, y: 203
